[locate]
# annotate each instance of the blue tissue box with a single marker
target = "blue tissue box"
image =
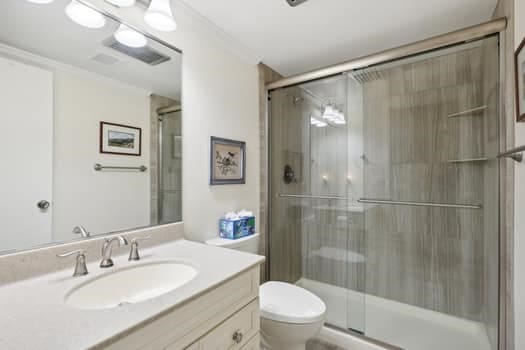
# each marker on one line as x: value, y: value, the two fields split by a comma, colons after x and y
x: 233, y: 229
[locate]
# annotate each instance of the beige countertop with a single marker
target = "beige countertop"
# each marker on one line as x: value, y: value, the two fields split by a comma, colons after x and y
x: 34, y: 315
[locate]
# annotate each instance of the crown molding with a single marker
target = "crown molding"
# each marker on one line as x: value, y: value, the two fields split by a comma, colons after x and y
x: 228, y: 41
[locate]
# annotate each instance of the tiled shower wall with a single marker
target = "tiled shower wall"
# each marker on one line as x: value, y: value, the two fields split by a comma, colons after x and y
x: 436, y: 258
x: 266, y: 75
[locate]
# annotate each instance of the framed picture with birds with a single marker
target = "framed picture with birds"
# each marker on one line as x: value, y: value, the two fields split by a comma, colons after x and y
x: 227, y: 161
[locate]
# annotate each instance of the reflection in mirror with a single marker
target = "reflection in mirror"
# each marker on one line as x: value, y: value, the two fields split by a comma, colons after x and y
x: 91, y: 126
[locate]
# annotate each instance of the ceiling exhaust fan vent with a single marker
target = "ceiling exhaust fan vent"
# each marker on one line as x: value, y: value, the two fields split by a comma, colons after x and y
x: 294, y: 3
x: 145, y: 54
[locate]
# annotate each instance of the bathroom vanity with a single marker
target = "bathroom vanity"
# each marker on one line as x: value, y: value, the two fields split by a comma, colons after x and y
x: 216, y: 309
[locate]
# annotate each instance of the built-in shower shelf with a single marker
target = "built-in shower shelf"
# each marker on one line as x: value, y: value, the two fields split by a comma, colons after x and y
x: 467, y: 160
x: 468, y: 112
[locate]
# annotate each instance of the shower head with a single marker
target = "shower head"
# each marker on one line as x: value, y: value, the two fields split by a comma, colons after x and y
x: 294, y: 3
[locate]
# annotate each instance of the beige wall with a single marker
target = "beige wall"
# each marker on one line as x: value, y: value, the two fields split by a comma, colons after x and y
x: 219, y: 98
x: 82, y: 196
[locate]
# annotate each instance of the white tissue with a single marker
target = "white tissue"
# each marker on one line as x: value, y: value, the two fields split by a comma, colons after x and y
x: 244, y: 213
x: 231, y: 216
x: 235, y: 216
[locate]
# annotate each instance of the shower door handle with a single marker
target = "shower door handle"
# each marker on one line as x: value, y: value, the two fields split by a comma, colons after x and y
x: 419, y: 204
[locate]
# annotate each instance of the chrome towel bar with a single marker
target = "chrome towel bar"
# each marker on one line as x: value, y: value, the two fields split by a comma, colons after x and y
x: 309, y: 196
x: 385, y: 201
x: 419, y: 204
x: 467, y: 112
x: 99, y: 167
x: 513, y: 153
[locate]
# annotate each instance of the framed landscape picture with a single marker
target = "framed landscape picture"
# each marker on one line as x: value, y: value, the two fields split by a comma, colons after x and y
x: 520, y: 82
x: 227, y: 161
x: 120, y: 139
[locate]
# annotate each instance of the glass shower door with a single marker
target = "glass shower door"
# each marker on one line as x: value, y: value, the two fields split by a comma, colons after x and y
x: 384, y: 197
x: 431, y: 187
x: 312, y: 240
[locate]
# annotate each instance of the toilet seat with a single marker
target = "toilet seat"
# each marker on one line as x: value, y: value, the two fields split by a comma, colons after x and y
x: 284, y: 302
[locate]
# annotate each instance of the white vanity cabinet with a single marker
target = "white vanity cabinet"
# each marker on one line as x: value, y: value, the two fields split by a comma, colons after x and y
x: 224, y: 317
x: 234, y: 333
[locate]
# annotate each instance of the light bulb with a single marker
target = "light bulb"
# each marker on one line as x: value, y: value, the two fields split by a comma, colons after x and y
x: 160, y: 17
x: 122, y: 3
x: 129, y: 37
x: 41, y: 1
x: 317, y: 122
x: 85, y: 16
x: 329, y: 113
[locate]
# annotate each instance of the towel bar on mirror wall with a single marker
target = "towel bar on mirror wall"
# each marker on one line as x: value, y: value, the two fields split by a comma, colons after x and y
x: 99, y: 167
x: 513, y: 153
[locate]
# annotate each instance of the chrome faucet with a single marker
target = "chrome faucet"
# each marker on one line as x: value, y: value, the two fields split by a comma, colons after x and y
x: 106, y: 250
x: 134, y: 251
x: 81, y: 230
x: 80, y: 266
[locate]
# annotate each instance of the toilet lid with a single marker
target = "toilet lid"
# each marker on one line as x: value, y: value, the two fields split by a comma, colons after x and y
x: 284, y: 302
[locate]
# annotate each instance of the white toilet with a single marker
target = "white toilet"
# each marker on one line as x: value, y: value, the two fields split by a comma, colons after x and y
x: 290, y: 315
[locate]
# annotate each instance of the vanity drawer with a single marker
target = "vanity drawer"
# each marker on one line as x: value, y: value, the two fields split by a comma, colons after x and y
x: 253, y: 344
x: 237, y: 332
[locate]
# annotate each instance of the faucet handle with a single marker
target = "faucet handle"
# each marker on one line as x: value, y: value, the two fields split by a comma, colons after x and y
x: 80, y: 266
x: 137, y: 239
x: 134, y: 251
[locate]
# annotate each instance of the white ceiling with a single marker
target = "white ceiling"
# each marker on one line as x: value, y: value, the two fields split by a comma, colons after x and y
x: 46, y: 31
x: 323, y: 32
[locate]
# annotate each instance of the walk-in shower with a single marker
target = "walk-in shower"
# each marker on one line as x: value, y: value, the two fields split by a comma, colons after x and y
x: 383, y: 196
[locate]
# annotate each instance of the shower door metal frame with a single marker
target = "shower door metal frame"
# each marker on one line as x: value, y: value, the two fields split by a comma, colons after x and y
x: 161, y: 112
x: 434, y: 43
x: 494, y: 27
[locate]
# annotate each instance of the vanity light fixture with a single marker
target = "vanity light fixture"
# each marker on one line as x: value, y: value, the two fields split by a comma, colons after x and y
x: 159, y: 16
x: 122, y: 3
x: 129, y: 37
x: 41, y: 1
x: 84, y: 15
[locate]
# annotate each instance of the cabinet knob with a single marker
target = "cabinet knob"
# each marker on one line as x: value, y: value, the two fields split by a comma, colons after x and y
x: 237, y: 337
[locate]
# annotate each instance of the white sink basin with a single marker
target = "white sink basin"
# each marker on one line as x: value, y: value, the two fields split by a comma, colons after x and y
x: 130, y: 285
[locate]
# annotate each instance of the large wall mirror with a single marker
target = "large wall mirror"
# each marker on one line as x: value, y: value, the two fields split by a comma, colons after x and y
x: 91, y: 138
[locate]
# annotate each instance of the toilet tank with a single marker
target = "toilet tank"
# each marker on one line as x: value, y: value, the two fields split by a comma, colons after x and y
x: 248, y: 244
